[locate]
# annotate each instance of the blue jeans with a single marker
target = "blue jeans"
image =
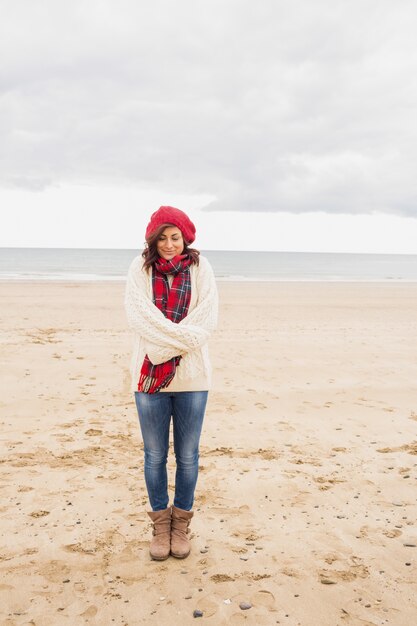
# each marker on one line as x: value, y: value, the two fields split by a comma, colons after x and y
x: 155, y: 411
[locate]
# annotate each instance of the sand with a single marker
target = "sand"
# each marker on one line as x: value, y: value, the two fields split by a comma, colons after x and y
x: 306, y: 501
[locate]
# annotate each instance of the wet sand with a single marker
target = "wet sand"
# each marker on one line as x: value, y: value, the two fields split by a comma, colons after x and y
x: 306, y: 503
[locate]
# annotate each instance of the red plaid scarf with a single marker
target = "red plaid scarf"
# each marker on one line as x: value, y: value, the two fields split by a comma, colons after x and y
x: 174, y: 303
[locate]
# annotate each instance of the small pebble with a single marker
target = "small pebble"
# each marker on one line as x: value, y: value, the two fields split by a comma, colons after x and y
x: 408, y: 544
x: 408, y: 564
x: 188, y: 597
x: 245, y: 606
x: 203, y: 551
x: 327, y: 581
x: 197, y: 613
x: 184, y: 571
x: 67, y: 580
x: 228, y: 601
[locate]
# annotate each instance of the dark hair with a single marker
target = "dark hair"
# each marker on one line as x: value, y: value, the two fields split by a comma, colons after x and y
x: 150, y: 253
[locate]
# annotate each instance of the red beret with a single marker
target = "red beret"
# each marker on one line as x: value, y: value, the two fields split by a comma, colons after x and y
x: 176, y: 217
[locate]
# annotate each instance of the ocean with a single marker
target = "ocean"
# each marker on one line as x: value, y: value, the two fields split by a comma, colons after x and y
x: 73, y: 264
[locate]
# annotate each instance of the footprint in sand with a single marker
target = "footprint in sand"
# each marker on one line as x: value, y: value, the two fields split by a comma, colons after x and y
x: 353, y: 619
x: 289, y: 571
x: 63, y: 438
x: 353, y: 571
x: 268, y: 454
x: 222, y: 578
x: 79, y: 548
x: 91, y: 611
x: 93, y: 431
x: 326, y: 483
x: 391, y: 534
x: 410, y: 448
x: 239, y: 618
x: 124, y: 566
x: 263, y: 598
x: 207, y: 605
x: 71, y: 424
x: 39, y: 513
x: 54, y: 571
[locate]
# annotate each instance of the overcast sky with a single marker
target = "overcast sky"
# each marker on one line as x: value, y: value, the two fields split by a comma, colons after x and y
x: 277, y: 124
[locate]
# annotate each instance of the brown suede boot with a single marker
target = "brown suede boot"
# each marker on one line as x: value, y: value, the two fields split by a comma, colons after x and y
x: 160, y: 544
x: 180, y: 544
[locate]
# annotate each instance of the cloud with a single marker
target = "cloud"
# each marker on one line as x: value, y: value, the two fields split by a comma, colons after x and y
x: 271, y: 106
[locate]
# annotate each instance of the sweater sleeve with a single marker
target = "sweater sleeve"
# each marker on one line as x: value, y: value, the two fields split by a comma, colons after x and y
x: 205, y: 314
x: 151, y: 324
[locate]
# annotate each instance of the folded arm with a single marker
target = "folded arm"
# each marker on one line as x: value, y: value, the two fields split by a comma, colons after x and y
x: 201, y: 321
x: 165, y: 339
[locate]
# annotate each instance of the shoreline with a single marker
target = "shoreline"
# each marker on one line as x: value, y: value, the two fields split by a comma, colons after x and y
x: 57, y: 281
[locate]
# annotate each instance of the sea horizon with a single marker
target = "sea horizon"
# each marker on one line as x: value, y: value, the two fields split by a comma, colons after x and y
x: 100, y: 264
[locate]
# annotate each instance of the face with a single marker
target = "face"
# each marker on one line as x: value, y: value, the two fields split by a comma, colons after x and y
x: 170, y: 243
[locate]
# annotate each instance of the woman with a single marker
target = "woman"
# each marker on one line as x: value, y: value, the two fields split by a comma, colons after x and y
x: 171, y: 305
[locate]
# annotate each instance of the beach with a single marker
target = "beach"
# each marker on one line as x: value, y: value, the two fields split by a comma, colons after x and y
x: 306, y: 502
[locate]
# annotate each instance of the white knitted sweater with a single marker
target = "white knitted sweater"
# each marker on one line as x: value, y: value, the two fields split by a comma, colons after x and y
x: 161, y: 339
